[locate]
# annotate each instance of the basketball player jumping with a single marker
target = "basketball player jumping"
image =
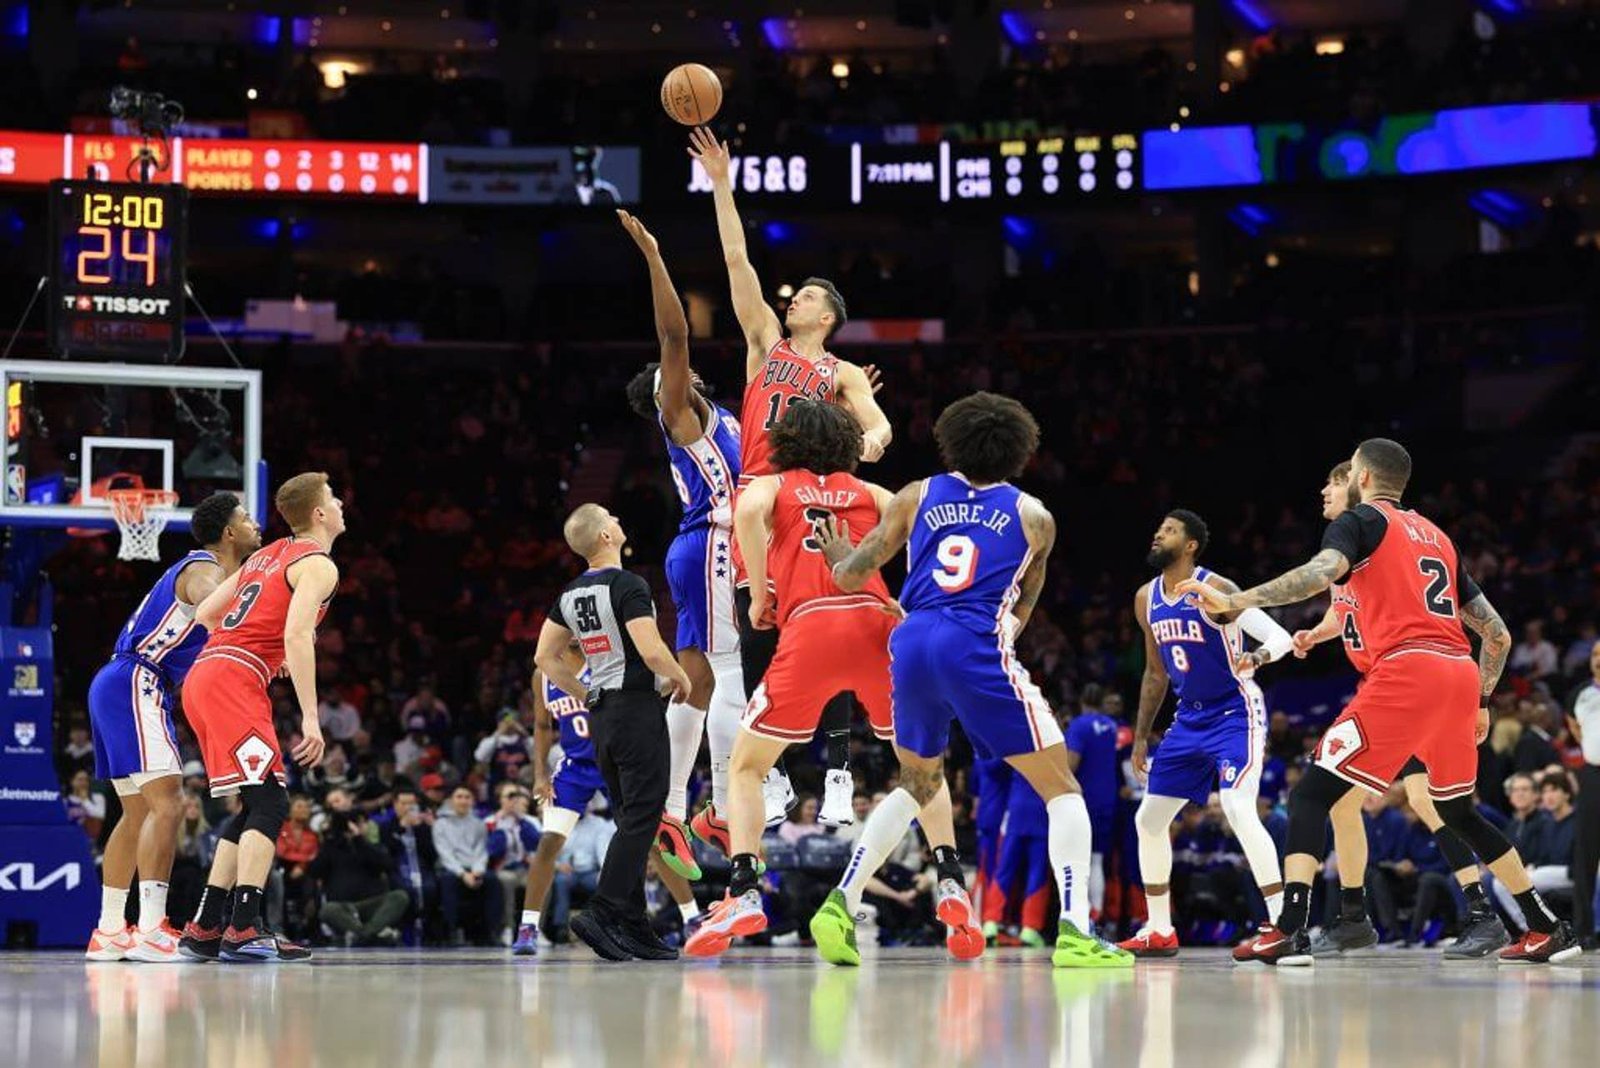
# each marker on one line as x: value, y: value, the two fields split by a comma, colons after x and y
x: 130, y: 711
x: 1483, y: 933
x: 978, y: 551
x: 1408, y: 599
x: 778, y: 370
x: 262, y: 617
x: 1218, y: 737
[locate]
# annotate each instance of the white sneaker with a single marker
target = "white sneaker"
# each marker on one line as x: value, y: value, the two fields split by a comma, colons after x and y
x: 838, y: 800
x: 778, y: 793
x: 110, y: 945
x: 156, y: 947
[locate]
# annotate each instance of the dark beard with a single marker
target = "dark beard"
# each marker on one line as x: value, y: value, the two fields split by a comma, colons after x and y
x: 1160, y: 559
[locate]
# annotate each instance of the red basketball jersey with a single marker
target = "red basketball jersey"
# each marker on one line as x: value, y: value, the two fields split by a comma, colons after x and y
x: 798, y: 568
x: 251, y: 631
x: 1405, y: 595
x: 785, y: 376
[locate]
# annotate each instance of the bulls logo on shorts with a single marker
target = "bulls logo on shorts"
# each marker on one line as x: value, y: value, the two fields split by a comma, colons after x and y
x: 1342, y: 742
x: 254, y: 758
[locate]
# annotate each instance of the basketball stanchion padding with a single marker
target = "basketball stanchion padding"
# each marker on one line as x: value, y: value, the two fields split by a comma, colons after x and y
x: 141, y: 515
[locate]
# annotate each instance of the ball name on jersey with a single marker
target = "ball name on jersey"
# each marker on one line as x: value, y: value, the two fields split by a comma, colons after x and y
x: 805, y: 379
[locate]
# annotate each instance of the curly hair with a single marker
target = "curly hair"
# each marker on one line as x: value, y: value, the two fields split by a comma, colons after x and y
x: 987, y: 437
x: 817, y: 437
x: 1193, y: 527
x: 642, y: 391
x: 212, y: 517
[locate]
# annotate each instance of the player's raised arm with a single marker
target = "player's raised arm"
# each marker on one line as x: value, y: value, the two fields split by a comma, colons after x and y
x: 199, y: 580
x: 216, y: 603
x: 857, y: 396
x: 1039, y: 526
x: 313, y: 579
x: 1152, y: 687
x: 752, y: 525
x: 1291, y: 587
x: 675, y: 390
x: 854, y: 565
x: 756, y: 317
x: 553, y: 641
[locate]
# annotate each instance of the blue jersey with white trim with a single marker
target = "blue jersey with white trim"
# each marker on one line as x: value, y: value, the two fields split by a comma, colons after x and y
x: 162, y: 629
x: 572, y: 716
x: 706, y: 472
x: 967, y: 552
x: 1199, y: 654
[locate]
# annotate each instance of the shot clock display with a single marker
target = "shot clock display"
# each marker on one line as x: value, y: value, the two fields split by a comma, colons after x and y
x: 117, y: 268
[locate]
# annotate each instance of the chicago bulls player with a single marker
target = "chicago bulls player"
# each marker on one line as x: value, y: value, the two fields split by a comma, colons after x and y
x: 263, y: 617
x: 778, y: 370
x: 816, y: 446
x: 1406, y: 597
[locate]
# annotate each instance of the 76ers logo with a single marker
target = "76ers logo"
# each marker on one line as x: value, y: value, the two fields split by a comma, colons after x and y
x: 255, y: 759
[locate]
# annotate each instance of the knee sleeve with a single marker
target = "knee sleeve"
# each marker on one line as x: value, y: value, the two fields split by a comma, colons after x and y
x: 1309, y: 805
x: 1462, y: 816
x: 722, y: 721
x: 1156, y: 813
x: 1239, y: 807
x: 266, y: 808
x: 235, y: 826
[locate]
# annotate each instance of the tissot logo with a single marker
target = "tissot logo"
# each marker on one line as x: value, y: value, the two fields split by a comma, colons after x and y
x: 156, y: 306
x: 21, y: 877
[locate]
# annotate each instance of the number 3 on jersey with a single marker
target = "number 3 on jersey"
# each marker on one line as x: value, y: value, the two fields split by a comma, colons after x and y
x: 247, y: 601
x: 958, y: 563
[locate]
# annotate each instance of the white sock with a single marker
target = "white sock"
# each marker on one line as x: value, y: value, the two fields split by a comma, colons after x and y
x: 1069, y: 856
x: 152, y: 904
x: 1274, y: 907
x: 688, y: 909
x: 883, y: 831
x: 1097, y: 882
x: 113, y: 908
x: 685, y: 726
x: 722, y: 722
x: 530, y: 917
x: 1160, y: 912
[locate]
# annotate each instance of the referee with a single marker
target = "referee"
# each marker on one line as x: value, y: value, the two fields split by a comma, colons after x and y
x: 612, y: 616
x: 1585, y: 723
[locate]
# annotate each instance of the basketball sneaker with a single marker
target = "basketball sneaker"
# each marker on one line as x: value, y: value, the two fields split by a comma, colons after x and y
x: 730, y: 918
x: 833, y: 929
x: 1484, y: 934
x: 257, y: 945
x: 991, y: 932
x: 1031, y: 938
x: 778, y: 793
x: 1272, y: 946
x: 964, y: 939
x: 110, y: 945
x: 641, y: 941
x: 1150, y: 942
x: 838, y: 799
x: 596, y: 928
x: 527, y: 943
x: 1535, y: 948
x: 1074, y: 949
x: 156, y: 947
x: 674, y: 848
x: 1344, y: 936
x: 712, y: 829
x: 200, y: 943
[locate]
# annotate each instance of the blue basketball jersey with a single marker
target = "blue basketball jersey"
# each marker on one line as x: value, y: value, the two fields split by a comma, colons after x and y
x: 572, y: 716
x: 967, y: 552
x: 162, y: 629
x: 1199, y: 654
x: 706, y: 472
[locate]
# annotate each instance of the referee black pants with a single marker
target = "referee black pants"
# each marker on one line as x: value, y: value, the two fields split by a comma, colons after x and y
x: 629, y: 729
x: 1586, y: 850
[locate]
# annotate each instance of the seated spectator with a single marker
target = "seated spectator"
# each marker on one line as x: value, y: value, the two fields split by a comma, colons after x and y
x: 1430, y: 882
x: 339, y: 718
x: 505, y: 752
x: 513, y: 837
x: 359, y: 902
x: 378, y: 791
x: 802, y: 821
x: 1390, y: 872
x: 297, y: 848
x: 1535, y: 749
x: 1546, y: 847
x: 435, y: 791
x: 189, y: 862
x: 1534, y: 657
x: 78, y: 754
x: 334, y: 773
x: 414, y: 747
x: 408, y: 838
x: 578, y: 863
x: 426, y: 703
x: 86, y: 807
x: 463, y: 844
x: 1283, y: 740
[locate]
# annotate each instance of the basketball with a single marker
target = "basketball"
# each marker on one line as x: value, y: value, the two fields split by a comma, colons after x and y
x: 691, y: 93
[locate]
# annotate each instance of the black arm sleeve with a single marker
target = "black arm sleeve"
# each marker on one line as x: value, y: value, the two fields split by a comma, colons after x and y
x: 1466, y: 589
x: 1356, y: 533
x: 630, y: 598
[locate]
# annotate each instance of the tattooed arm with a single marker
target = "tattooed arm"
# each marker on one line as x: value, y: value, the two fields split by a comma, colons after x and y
x: 853, y: 565
x: 1480, y: 617
x: 1152, y: 688
x: 1040, y: 528
x: 1307, y: 580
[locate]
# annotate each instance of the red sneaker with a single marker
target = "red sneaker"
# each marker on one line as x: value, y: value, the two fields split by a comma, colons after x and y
x: 674, y: 848
x: 1272, y: 946
x: 710, y: 829
x: 200, y: 943
x: 1535, y: 948
x: 964, y: 939
x: 1151, y: 943
x: 730, y: 918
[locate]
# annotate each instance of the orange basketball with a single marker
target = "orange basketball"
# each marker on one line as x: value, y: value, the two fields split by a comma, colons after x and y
x: 691, y: 93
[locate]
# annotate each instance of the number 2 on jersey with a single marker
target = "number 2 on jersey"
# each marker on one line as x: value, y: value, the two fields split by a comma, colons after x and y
x: 958, y: 563
x: 1437, y: 596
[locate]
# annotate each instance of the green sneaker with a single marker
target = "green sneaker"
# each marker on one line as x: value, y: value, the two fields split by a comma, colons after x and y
x: 833, y: 929
x: 991, y: 931
x: 1031, y: 938
x: 1074, y: 949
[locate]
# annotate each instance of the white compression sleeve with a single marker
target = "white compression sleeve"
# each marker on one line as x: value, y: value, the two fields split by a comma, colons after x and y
x: 685, y: 726
x: 1239, y: 806
x: 722, y: 721
x: 1069, y: 856
x: 1276, y: 641
x: 885, y: 827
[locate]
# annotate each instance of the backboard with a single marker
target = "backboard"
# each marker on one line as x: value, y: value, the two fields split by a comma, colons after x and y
x: 74, y: 431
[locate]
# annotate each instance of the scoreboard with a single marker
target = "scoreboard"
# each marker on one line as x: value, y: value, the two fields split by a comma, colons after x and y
x: 1031, y: 173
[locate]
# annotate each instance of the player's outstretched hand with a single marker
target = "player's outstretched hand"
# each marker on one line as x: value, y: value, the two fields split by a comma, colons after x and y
x: 1304, y: 641
x: 1210, y: 598
x: 1248, y: 662
x: 640, y: 234
x: 712, y: 154
x: 1480, y: 730
x: 874, y: 377
x: 544, y: 790
x: 308, y: 754
x: 832, y: 536
x: 1141, y: 760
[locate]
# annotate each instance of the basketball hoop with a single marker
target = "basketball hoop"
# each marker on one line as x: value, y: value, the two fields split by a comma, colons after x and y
x: 141, y: 515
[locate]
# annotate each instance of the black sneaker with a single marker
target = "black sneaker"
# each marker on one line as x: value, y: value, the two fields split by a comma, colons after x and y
x: 1344, y: 936
x: 640, y: 941
x: 200, y: 943
x: 1484, y: 934
x: 597, y: 932
x: 254, y: 945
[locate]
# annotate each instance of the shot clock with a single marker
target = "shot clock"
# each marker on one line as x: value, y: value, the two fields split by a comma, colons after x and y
x: 117, y: 268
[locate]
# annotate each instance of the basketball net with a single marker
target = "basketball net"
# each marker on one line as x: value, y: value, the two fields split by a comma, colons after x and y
x: 141, y: 515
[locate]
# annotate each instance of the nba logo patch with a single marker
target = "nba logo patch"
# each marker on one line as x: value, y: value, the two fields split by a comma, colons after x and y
x: 25, y: 732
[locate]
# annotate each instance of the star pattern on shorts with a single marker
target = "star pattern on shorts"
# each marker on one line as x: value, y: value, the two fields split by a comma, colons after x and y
x: 171, y: 632
x: 149, y: 691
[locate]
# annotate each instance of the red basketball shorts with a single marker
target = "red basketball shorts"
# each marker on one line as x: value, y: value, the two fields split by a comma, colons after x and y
x: 226, y: 703
x: 1413, y: 702
x: 826, y: 648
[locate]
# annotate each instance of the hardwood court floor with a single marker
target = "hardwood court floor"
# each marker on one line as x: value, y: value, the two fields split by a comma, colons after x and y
x: 781, y: 1007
